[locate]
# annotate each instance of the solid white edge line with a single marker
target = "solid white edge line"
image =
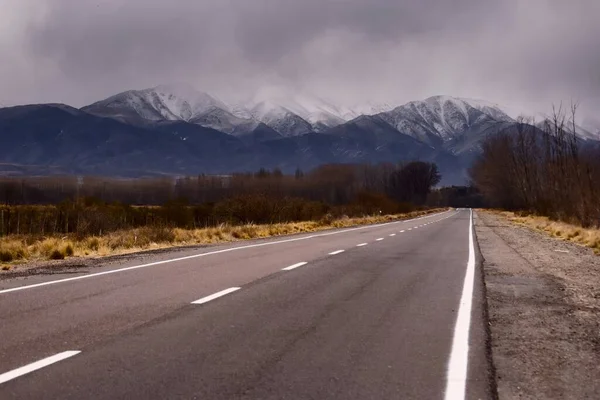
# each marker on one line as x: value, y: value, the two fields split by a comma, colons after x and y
x: 459, y: 356
x: 114, y: 271
x: 291, y: 267
x: 15, y: 373
x: 333, y: 253
x: 362, y: 244
x: 216, y: 295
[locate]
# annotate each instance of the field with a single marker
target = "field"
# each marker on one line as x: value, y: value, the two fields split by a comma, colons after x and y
x: 15, y: 249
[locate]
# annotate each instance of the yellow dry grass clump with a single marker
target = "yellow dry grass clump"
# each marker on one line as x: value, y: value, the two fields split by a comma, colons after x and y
x: 22, y: 248
x: 589, y: 237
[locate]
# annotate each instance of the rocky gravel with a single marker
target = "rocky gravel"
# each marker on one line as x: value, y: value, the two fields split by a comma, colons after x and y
x: 543, y: 299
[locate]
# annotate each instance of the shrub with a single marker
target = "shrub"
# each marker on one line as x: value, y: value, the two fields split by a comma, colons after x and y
x: 56, y: 254
x: 6, y: 256
x: 13, y: 251
x: 69, y: 250
x: 161, y: 235
x: 327, y: 219
x: 93, y: 244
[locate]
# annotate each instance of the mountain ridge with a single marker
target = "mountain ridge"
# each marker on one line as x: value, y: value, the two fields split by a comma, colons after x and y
x: 176, y: 130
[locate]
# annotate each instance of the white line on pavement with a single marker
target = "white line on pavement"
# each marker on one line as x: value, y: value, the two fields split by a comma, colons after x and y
x: 114, y: 271
x: 392, y: 234
x: 216, y: 295
x: 15, y: 373
x: 333, y: 253
x: 379, y: 240
x: 361, y: 245
x: 459, y: 356
x: 291, y: 267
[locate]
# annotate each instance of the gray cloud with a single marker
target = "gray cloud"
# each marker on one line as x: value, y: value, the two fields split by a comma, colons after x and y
x: 523, y: 53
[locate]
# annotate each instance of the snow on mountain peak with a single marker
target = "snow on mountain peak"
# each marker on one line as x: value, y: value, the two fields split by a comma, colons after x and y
x: 184, y: 101
x: 443, y: 117
x: 164, y: 102
x: 592, y: 125
x: 280, y: 118
x: 440, y: 119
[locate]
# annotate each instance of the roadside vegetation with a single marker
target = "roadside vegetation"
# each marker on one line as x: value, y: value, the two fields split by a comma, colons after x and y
x: 58, y: 217
x: 589, y: 237
x: 545, y: 174
x: 26, y: 248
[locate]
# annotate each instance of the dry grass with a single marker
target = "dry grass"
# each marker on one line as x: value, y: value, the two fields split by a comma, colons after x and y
x: 23, y: 248
x: 560, y: 230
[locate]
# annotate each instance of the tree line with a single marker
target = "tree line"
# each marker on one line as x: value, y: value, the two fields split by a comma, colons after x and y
x: 545, y: 169
x: 93, y: 205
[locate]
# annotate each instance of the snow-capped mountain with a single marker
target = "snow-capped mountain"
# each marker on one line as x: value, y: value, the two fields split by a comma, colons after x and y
x: 176, y: 102
x: 279, y: 118
x: 368, y: 108
x: 444, y: 121
x: 298, y: 113
x: 288, y: 115
x: 585, y: 132
x: 494, y: 110
x: 592, y: 128
x: 175, y: 129
x: 452, y: 123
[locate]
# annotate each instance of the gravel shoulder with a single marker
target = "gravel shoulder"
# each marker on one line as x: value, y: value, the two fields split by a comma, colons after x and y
x: 543, y: 299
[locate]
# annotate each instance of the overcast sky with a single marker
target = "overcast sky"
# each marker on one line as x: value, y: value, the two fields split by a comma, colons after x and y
x: 523, y: 53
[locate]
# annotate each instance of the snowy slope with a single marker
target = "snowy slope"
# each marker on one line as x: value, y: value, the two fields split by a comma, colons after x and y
x: 184, y: 101
x: 164, y: 102
x: 281, y: 111
x: 435, y: 121
x: 585, y: 131
x: 494, y: 110
x: 175, y: 102
x: 444, y: 121
x: 280, y: 119
x: 367, y: 108
x: 288, y: 116
x: 591, y: 127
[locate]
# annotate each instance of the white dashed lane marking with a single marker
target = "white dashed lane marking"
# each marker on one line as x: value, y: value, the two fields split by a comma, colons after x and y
x: 291, y: 267
x: 216, y: 295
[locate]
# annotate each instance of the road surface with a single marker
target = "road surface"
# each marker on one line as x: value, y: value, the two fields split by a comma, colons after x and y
x: 390, y: 311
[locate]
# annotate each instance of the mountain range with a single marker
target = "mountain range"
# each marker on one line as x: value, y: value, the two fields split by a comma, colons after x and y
x: 177, y: 130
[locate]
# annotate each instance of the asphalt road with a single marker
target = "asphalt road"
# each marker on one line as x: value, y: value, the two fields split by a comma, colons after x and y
x: 392, y: 311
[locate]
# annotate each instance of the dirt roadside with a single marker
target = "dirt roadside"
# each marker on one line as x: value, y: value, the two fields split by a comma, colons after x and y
x: 544, y: 308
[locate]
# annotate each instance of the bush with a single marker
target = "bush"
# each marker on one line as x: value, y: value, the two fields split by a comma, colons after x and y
x: 161, y: 235
x: 6, y: 256
x: 327, y: 219
x: 12, y: 252
x: 56, y: 254
x: 69, y: 250
x: 93, y: 244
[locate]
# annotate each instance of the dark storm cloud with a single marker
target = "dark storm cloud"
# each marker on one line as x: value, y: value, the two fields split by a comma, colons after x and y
x: 528, y: 53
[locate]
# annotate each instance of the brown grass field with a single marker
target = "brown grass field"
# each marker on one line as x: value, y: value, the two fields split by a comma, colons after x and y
x: 15, y: 249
